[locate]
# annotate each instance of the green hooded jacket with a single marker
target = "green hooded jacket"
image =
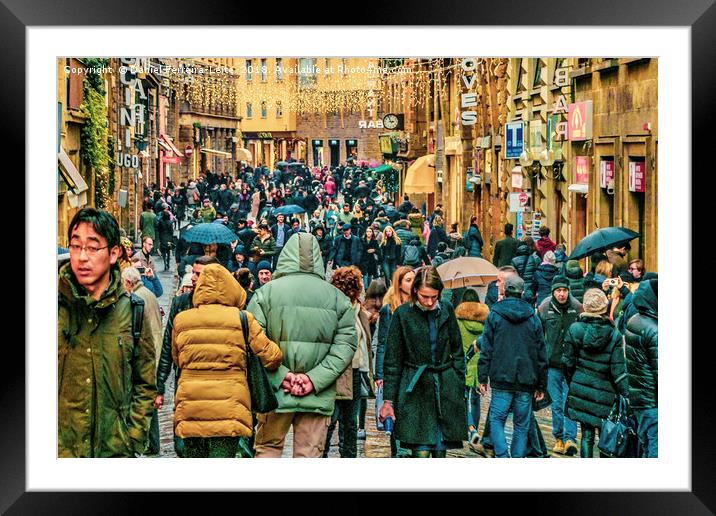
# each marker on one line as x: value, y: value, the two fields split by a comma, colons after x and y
x: 471, y: 318
x: 106, y: 383
x: 312, y: 322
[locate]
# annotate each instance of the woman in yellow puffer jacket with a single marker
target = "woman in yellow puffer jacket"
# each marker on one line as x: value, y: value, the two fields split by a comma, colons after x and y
x: 213, y: 403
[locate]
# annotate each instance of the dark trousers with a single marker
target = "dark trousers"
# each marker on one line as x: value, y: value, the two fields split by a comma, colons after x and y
x: 153, y: 438
x: 586, y: 448
x: 166, y: 253
x: 210, y: 447
x: 361, y: 415
x: 346, y: 415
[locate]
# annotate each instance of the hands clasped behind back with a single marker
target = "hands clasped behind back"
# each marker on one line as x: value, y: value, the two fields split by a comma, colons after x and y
x: 297, y: 384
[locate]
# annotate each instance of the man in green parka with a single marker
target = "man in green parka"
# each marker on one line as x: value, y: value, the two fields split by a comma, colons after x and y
x: 106, y: 377
x: 315, y: 326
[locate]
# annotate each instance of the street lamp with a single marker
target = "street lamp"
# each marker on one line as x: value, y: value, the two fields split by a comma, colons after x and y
x: 548, y: 162
x: 531, y: 165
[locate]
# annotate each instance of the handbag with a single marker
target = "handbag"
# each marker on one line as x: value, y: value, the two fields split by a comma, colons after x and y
x: 617, y: 435
x: 545, y: 402
x: 263, y: 398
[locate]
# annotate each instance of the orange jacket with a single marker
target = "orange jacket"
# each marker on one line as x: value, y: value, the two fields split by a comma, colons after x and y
x: 213, y: 399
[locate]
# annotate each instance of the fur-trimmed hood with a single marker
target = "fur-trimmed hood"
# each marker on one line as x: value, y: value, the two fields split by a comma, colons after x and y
x: 472, y: 311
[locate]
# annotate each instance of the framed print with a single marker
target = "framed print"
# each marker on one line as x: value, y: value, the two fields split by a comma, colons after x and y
x: 677, y: 41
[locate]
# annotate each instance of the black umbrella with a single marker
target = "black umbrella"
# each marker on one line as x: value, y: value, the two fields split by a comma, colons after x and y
x: 601, y: 240
x: 288, y: 210
x: 210, y: 233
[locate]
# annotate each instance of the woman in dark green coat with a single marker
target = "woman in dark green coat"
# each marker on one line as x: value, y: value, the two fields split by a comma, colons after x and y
x: 594, y: 365
x: 424, y: 371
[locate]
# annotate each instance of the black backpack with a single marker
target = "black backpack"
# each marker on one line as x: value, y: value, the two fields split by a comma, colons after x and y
x: 412, y: 256
x: 137, y: 316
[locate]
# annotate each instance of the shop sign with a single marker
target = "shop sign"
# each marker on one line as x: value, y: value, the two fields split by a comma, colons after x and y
x: 370, y: 124
x: 519, y: 225
x: 556, y: 132
x: 582, y: 172
x: 468, y: 99
x: 580, y: 121
x: 264, y: 136
x: 637, y: 176
x: 130, y: 113
x: 469, y: 187
x: 520, y: 202
x: 386, y: 145
x: 535, y: 136
x: 174, y: 160
x: 536, y: 224
x: 514, y: 139
x: 606, y: 172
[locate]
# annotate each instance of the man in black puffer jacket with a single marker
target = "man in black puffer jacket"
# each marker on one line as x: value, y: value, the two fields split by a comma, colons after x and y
x: 642, y: 353
x: 557, y: 313
x: 513, y: 357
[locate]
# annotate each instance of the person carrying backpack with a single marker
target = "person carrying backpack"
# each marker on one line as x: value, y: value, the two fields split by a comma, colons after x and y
x: 414, y: 254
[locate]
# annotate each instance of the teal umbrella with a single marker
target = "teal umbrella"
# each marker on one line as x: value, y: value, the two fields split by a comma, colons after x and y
x: 209, y: 233
x: 381, y: 169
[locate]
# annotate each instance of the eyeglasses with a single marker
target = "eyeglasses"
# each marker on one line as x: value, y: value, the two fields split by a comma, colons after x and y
x: 91, y: 250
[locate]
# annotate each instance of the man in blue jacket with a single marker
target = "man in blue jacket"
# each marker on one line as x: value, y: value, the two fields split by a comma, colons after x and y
x: 513, y: 357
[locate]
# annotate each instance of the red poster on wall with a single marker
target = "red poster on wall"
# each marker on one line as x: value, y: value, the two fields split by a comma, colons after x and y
x: 606, y: 172
x: 582, y: 170
x: 637, y: 176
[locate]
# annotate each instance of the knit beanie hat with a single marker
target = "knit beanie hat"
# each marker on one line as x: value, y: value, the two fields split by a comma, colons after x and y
x: 263, y: 265
x: 595, y: 301
x: 560, y: 282
x: 549, y: 257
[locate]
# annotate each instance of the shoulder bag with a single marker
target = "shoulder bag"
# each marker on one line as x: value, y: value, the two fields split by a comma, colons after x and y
x: 617, y: 435
x: 263, y: 398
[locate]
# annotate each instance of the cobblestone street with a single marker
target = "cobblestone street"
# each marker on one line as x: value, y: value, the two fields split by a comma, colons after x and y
x: 377, y: 444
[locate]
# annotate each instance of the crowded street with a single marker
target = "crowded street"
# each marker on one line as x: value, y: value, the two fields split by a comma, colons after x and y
x: 357, y: 258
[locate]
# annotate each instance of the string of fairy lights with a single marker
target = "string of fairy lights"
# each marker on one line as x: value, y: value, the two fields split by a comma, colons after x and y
x: 414, y: 83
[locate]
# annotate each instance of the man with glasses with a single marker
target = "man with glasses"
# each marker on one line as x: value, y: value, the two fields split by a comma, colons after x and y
x: 106, y: 380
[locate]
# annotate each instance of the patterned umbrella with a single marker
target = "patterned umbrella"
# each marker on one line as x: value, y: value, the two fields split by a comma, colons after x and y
x: 208, y: 233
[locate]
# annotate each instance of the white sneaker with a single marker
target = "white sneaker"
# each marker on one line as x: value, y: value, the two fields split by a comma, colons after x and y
x: 361, y: 434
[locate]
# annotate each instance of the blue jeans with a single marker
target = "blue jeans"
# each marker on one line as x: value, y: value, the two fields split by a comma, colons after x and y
x: 473, y: 408
x: 367, y: 278
x: 521, y: 405
x: 562, y: 427
x: 388, y: 270
x: 648, y: 432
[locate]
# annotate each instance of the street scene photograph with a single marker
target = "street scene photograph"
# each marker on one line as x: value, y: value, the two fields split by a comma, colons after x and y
x: 357, y: 257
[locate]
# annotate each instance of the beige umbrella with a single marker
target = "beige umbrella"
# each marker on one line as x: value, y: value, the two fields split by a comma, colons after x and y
x: 467, y: 272
x: 420, y: 177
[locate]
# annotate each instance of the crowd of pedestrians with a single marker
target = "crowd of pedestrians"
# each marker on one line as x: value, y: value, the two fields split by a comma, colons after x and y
x: 339, y: 297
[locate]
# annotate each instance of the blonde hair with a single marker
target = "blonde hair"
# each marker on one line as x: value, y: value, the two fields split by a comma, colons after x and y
x: 604, y: 268
x: 385, y: 237
x: 393, y: 296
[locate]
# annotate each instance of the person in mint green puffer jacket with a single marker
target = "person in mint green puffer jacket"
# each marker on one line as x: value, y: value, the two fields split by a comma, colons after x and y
x: 314, y: 325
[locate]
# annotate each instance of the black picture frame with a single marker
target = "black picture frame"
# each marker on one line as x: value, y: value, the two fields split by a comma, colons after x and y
x: 700, y: 16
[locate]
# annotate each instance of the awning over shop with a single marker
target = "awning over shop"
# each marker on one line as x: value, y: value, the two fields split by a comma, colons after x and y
x: 165, y: 145
x: 216, y: 152
x: 169, y: 142
x: 70, y: 174
x: 420, y: 177
x: 243, y: 154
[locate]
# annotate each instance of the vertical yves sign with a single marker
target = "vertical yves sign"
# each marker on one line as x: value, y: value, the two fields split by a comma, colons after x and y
x: 468, y: 99
x: 130, y: 112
